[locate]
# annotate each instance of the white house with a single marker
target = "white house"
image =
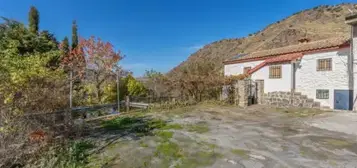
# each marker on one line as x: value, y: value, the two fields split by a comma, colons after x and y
x: 323, y: 70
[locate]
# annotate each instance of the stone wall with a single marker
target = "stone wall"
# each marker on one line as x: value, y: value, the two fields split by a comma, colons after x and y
x: 241, y: 93
x: 286, y: 99
x: 260, y: 91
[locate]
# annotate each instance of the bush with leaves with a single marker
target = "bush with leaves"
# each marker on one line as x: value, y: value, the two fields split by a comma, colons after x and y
x: 198, y: 80
x: 72, y: 155
x: 29, y: 84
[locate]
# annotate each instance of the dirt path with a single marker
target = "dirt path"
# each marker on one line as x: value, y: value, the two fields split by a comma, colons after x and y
x: 216, y: 136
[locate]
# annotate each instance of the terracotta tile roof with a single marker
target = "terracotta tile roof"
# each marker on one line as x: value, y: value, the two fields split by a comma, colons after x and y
x: 277, y: 59
x: 304, y: 47
x: 283, y: 58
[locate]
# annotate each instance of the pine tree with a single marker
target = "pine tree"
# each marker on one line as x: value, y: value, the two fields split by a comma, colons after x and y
x: 65, y: 46
x: 34, y: 20
x: 74, y: 35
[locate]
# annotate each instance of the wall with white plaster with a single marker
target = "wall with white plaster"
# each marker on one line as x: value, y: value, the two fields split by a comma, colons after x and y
x: 236, y: 69
x: 270, y: 85
x: 308, y: 79
x: 273, y: 85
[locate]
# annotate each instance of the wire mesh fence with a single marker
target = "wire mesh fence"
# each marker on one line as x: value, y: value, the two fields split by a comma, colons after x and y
x: 29, y: 133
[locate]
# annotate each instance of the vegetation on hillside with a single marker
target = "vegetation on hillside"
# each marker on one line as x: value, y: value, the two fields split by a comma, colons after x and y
x: 318, y: 23
x: 36, y: 72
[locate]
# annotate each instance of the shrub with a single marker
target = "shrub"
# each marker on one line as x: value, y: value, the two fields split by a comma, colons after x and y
x: 72, y: 155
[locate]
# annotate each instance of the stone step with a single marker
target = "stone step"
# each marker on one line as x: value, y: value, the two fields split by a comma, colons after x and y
x: 297, y: 94
x: 316, y: 105
x: 303, y: 97
x: 325, y: 108
x: 310, y: 100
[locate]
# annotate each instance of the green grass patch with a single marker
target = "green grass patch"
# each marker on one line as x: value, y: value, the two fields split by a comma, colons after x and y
x: 73, y: 155
x: 241, y: 152
x: 140, y: 126
x: 337, y: 142
x: 143, y: 144
x: 157, y: 124
x: 198, y: 128
x: 119, y: 123
x: 168, y: 150
x: 173, y: 127
x: 165, y: 135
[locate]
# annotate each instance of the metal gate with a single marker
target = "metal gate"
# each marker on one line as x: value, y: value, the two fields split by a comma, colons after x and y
x: 343, y: 99
x: 252, y: 92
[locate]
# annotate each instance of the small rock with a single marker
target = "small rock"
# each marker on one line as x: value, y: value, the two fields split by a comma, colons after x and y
x: 257, y: 156
x: 231, y: 161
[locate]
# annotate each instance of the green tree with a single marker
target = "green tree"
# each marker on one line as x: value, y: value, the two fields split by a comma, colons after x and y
x: 155, y: 83
x: 74, y: 35
x: 65, y: 47
x: 135, y: 88
x: 14, y: 35
x: 46, y: 41
x: 34, y: 20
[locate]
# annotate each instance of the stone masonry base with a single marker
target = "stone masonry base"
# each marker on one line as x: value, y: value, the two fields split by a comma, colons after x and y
x: 286, y: 99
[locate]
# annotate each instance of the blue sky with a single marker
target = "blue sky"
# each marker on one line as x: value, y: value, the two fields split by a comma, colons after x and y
x: 157, y: 34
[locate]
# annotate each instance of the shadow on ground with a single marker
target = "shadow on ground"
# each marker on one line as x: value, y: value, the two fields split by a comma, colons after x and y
x: 126, y: 127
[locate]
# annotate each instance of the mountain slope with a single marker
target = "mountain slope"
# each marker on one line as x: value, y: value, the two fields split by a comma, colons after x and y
x: 318, y: 23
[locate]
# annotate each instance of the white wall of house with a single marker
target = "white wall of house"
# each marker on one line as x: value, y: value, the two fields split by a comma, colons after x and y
x: 273, y: 85
x: 308, y: 79
x: 236, y: 69
x: 270, y: 85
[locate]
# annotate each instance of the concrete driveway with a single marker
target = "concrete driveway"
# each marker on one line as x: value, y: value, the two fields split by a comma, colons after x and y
x: 255, y: 137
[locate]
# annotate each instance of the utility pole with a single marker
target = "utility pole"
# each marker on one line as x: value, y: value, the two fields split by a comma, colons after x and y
x: 118, y: 89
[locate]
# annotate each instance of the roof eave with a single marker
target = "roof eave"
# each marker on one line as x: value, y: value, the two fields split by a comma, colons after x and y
x: 303, y: 52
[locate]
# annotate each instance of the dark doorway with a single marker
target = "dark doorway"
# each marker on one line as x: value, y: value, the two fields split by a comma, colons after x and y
x: 252, y: 90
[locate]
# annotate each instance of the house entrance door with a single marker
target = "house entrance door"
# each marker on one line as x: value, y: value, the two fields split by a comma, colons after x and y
x: 343, y: 99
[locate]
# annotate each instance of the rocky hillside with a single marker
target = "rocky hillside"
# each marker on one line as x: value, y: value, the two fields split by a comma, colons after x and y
x: 317, y: 23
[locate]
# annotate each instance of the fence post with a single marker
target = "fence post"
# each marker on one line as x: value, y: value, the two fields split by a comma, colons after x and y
x: 70, y: 88
x: 127, y: 103
x: 118, y: 91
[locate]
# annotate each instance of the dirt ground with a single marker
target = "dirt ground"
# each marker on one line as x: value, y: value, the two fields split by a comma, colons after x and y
x: 224, y: 136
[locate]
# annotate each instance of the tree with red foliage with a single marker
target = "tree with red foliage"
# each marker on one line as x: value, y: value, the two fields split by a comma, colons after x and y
x: 95, y: 57
x: 74, y: 61
x: 102, y: 60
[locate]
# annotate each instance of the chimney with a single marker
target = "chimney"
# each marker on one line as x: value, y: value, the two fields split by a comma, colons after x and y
x: 352, y: 67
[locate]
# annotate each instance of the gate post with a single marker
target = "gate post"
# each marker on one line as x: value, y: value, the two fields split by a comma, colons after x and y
x: 236, y: 92
x: 127, y: 103
x: 242, y: 93
x: 260, y: 91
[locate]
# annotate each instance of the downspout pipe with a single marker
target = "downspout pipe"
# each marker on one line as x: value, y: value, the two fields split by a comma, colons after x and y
x: 293, y: 63
x: 351, y: 20
x: 350, y: 71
